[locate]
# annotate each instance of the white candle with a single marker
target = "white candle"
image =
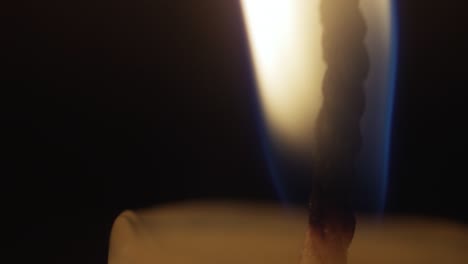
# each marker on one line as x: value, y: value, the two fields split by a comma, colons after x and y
x: 233, y: 233
x: 286, y: 47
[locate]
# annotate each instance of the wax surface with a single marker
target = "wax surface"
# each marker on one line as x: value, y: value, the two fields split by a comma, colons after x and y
x: 236, y: 233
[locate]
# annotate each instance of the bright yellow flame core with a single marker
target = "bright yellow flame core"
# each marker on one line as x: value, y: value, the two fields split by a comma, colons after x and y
x: 285, y: 41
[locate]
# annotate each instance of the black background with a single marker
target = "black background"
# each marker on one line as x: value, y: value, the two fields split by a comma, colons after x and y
x: 108, y: 105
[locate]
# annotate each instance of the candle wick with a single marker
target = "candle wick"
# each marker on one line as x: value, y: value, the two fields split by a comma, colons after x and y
x: 338, y: 135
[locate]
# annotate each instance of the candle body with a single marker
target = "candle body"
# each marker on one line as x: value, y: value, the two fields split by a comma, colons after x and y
x: 258, y: 233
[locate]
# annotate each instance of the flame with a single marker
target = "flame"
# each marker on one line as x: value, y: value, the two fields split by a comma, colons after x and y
x: 286, y: 48
x: 376, y: 125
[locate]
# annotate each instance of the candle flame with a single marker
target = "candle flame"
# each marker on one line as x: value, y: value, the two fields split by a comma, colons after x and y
x: 286, y: 47
x: 285, y: 41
